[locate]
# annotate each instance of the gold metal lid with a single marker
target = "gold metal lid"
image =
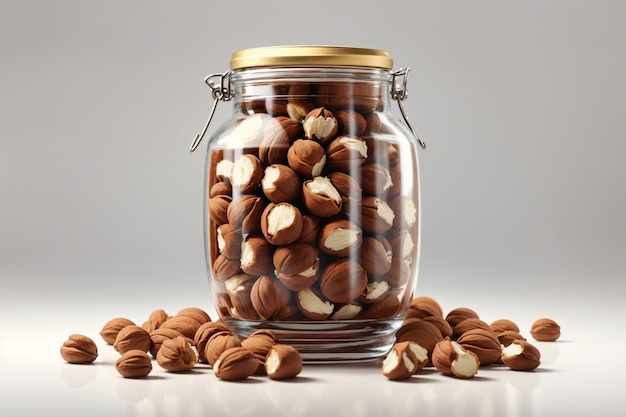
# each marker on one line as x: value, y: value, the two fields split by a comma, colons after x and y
x: 296, y: 55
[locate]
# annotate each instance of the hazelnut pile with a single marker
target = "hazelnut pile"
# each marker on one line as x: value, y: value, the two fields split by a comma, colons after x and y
x: 457, y: 344
x: 309, y: 217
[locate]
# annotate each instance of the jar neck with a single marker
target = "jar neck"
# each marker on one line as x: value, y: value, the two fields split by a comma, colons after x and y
x: 292, y: 91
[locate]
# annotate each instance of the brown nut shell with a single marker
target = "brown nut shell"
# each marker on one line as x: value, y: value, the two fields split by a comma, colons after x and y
x: 343, y: 281
x: 376, y: 255
x: 134, y: 364
x: 307, y: 158
x: 451, y: 358
x: 244, y: 213
x: 269, y: 297
x: 340, y: 238
x: 159, y: 335
x: 545, y: 330
x: 228, y: 242
x: 313, y: 305
x: 321, y: 198
x: 186, y: 325
x: 376, y: 215
x: 256, y: 255
x: 246, y: 174
x: 376, y: 179
x: 521, y: 356
x: 203, y: 334
x: 281, y: 184
x: 483, y: 343
x: 457, y: 315
x: 297, y: 265
x: 177, y: 355
x: 236, y: 363
x: 132, y: 337
x: 320, y: 124
x: 279, y: 133
x: 283, y: 362
x: 79, y: 348
x: 350, y: 123
x: 218, y: 343
x: 112, y: 327
x: 281, y: 223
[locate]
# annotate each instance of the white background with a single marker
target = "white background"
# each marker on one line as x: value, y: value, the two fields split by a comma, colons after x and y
x: 522, y: 105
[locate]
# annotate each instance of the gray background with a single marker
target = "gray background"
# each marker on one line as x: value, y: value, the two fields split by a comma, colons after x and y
x: 522, y: 105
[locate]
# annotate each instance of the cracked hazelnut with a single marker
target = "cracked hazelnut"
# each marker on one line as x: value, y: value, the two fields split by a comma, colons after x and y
x: 405, y: 211
x: 312, y: 305
x: 112, y: 327
x: 246, y: 174
x: 244, y: 213
x: 239, y: 288
x: 132, y: 337
x: 256, y: 255
x: 297, y: 265
x: 248, y: 131
x: 269, y: 297
x: 441, y: 324
x: 343, y: 280
x: 279, y: 133
x: 320, y: 124
x: 235, y: 364
x: 521, y: 356
x: 283, y: 362
x: 321, y: 197
x: 79, y: 349
x: 451, y: 358
x: 218, y: 343
x: 260, y: 346
x: 509, y: 336
x: 228, y: 242
x: 340, y: 238
x: 375, y: 179
x: 350, y: 123
x: 345, y: 153
x: 484, y: 343
x: 545, y: 330
x: 421, y: 332
x: 177, y: 355
x: 376, y: 255
x: 404, y: 360
x: 281, y: 184
x: 346, y: 311
x: 374, y: 292
x: 223, y: 169
x: 307, y: 158
x: 281, y: 223
x: 218, y: 208
x: 376, y: 215
x: 134, y: 364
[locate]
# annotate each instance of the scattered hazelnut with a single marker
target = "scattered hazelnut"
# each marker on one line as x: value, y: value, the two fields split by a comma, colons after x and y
x: 426, y: 306
x: 340, y: 238
x: 545, y: 330
x: 203, y: 334
x: 246, y: 174
x: 132, y: 337
x: 281, y: 223
x: 502, y: 325
x: 404, y: 359
x: 320, y: 124
x: 451, y: 358
x: 134, y: 364
x: 307, y: 158
x: 440, y: 323
x: 521, y: 356
x: 176, y: 355
x: 112, y: 327
x: 283, y: 362
x: 218, y: 343
x: 155, y: 320
x: 281, y: 184
x: 459, y: 314
x: 260, y: 346
x: 507, y: 337
x: 421, y: 332
x: 343, y: 280
x: 158, y: 336
x: 235, y: 364
x: 184, y: 324
x: 321, y: 197
x: 484, y: 343
x: 470, y: 324
x: 79, y: 349
x: 195, y: 313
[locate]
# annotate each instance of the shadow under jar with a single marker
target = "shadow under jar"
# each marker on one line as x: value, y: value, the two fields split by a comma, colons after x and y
x: 312, y: 202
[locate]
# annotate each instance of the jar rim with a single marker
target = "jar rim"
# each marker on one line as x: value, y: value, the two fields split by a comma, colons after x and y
x: 310, y: 55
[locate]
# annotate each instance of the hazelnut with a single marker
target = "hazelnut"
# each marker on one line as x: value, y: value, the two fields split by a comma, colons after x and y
x: 158, y: 336
x: 382, y: 152
x: 374, y: 292
x: 256, y: 255
x: 321, y: 197
x: 451, y: 358
x: 218, y: 208
x: 239, y: 293
x: 405, y: 210
x: 158, y: 316
x: 299, y: 102
x: 350, y: 122
x: 132, y: 337
x: 343, y: 280
x: 502, y: 325
x: 79, y: 349
x: 228, y: 242
x: 134, y: 364
x: 310, y: 226
x: 184, y: 324
x: 346, y: 311
x: 224, y: 268
x: 427, y: 306
x: 248, y: 131
x: 484, y: 343
x: 375, y: 179
x: 360, y: 96
x: 195, y: 313
x: 281, y: 223
x: 345, y: 153
x: 351, y: 195
x: 218, y: 343
x: 377, y: 123
x: 203, y: 334
x: 402, y: 245
x: 376, y: 255
x: 244, y: 213
x: 312, y: 305
x: 235, y: 364
x: 376, y: 215
x: 223, y: 169
x: 112, y: 327
x: 421, y: 332
x: 307, y: 158
x: 320, y: 124
x: 399, y: 272
x: 297, y: 265
x: 176, y: 355
x: 269, y: 297
x: 396, y: 178
x: 281, y: 184
x: 283, y: 362
x: 404, y: 359
x: 509, y: 336
x: 521, y: 356
x: 340, y: 238
x: 470, y: 324
x: 264, y: 333
x: 545, y: 330
x: 246, y: 174
x: 459, y: 314
x: 279, y: 133
x: 260, y: 346
x: 387, y: 307
x: 440, y: 323
x: 221, y: 188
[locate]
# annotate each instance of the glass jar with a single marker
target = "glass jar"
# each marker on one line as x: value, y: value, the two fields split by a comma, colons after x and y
x: 312, y: 208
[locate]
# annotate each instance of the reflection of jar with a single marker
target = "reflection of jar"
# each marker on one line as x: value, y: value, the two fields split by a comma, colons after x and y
x: 312, y: 201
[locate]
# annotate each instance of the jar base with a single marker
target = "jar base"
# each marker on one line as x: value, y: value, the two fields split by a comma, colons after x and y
x: 328, y: 342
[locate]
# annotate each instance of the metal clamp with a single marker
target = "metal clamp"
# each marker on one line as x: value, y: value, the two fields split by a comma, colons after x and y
x: 221, y: 92
x: 399, y: 93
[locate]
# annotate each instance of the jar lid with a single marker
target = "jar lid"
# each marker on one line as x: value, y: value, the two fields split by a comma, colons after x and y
x: 297, y: 55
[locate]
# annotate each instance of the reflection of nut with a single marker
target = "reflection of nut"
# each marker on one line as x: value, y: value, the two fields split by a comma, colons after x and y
x: 340, y: 238
x: 256, y: 255
x: 320, y: 124
x: 281, y: 184
x: 350, y: 122
x: 405, y: 211
x: 281, y: 223
x: 244, y: 213
x: 375, y: 179
x: 343, y: 280
x: 376, y: 255
x: 376, y: 215
x: 297, y: 265
x: 218, y: 208
x: 269, y: 297
x: 345, y: 153
x: 279, y: 133
x: 312, y: 305
x: 228, y: 242
x: 321, y: 197
x: 307, y: 158
x: 246, y: 174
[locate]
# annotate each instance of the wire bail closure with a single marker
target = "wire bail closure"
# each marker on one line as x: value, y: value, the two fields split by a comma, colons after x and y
x: 221, y: 92
x: 400, y: 93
